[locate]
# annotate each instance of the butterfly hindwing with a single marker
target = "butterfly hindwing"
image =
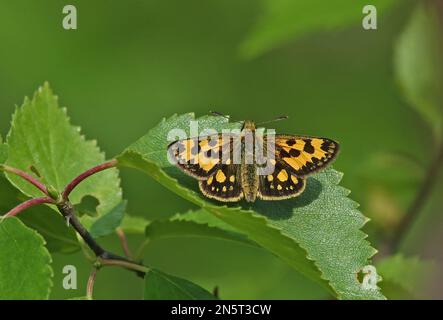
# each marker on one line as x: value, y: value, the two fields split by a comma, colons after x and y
x: 305, y: 155
x: 224, y: 185
x: 281, y: 184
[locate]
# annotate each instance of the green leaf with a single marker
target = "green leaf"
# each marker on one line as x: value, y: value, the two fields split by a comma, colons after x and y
x: 3, y: 151
x: 109, y: 222
x: 405, y: 277
x: 317, y: 233
x: 134, y: 224
x: 42, y: 136
x: 188, y: 229
x: 48, y: 223
x: 285, y: 20
x: 25, y: 270
x: 204, y: 217
x: 418, y: 65
x: 162, y: 286
x: 52, y: 226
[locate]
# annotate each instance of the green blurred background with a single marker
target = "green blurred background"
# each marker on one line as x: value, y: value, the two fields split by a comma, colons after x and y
x: 131, y: 63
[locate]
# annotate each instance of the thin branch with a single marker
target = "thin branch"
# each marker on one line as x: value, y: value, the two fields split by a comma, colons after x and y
x: 124, y: 243
x: 417, y: 205
x: 90, y: 285
x: 76, y: 181
x: 27, y: 204
x: 26, y: 177
x: 124, y: 264
x: 68, y: 211
x: 103, y: 257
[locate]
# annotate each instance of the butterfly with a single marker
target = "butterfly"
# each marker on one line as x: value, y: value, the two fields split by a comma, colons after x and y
x: 220, y: 163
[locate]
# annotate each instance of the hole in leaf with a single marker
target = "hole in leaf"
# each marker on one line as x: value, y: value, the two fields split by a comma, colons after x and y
x: 360, y: 276
x: 87, y: 206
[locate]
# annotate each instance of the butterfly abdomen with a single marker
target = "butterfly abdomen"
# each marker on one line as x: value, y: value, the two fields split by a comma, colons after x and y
x: 249, y: 177
x: 249, y: 181
x: 248, y: 167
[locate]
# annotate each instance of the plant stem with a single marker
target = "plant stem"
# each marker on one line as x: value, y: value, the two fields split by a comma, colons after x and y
x: 124, y: 264
x: 103, y: 257
x: 67, y: 210
x: 124, y: 242
x: 27, y: 177
x: 76, y: 181
x: 27, y: 204
x: 90, y: 285
x: 419, y: 201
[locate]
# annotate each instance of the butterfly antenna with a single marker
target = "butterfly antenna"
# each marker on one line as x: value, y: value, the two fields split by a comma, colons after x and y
x: 218, y: 114
x: 283, y: 117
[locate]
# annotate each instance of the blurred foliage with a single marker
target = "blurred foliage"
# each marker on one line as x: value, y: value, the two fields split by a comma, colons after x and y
x: 405, y: 277
x: 419, y: 67
x: 127, y: 66
x: 3, y: 151
x: 286, y: 20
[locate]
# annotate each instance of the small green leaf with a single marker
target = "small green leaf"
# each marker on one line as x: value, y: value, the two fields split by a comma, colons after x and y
x: 188, y: 229
x: 42, y: 136
x: 317, y: 233
x: 418, y: 65
x: 405, y: 277
x: 25, y: 270
x: 162, y: 286
x: 285, y: 20
x: 107, y: 223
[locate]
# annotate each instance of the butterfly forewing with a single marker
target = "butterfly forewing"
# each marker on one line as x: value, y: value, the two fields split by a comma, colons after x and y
x: 201, y: 157
x: 304, y: 155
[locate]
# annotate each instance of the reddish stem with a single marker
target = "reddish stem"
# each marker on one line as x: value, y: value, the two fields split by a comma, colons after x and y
x: 90, y: 285
x: 27, y: 204
x: 124, y: 264
x: 27, y: 177
x: 74, y: 183
x: 124, y: 243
